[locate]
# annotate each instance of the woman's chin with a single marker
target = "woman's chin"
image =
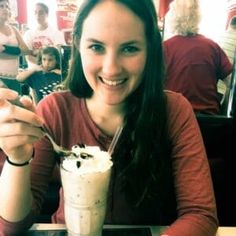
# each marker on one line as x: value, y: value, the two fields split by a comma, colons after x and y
x: 113, y: 101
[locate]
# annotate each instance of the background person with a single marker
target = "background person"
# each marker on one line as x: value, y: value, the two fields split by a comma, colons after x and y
x: 43, y: 34
x: 43, y: 79
x: 11, y: 46
x: 160, y: 174
x: 194, y: 63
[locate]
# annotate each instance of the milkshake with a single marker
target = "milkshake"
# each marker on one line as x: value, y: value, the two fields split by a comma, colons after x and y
x: 85, y: 180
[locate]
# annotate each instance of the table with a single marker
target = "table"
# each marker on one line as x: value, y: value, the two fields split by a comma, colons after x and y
x: 50, y: 229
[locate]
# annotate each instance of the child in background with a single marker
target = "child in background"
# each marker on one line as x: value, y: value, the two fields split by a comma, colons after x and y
x: 43, y: 78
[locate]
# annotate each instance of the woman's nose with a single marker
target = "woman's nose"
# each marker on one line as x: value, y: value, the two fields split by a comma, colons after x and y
x: 111, y: 65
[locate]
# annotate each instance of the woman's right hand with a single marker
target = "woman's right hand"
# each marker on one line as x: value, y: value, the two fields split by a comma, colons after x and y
x: 19, y: 126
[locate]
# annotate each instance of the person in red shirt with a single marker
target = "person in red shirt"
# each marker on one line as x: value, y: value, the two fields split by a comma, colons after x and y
x: 160, y: 172
x: 194, y: 63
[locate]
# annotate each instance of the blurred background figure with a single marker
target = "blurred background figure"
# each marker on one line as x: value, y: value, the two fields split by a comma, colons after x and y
x: 43, y: 79
x: 43, y: 35
x: 11, y: 47
x: 194, y: 63
x: 228, y: 40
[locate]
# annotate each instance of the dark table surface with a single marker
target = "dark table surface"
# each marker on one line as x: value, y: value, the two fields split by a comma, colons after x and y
x: 106, y: 232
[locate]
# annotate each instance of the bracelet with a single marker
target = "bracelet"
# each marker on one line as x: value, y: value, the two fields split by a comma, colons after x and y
x: 20, y: 164
x: 12, y: 50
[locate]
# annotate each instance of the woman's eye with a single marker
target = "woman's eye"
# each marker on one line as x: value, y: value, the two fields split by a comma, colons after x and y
x: 97, y: 48
x: 130, y: 49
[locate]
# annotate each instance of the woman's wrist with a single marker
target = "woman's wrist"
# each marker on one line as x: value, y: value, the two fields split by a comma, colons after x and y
x: 22, y: 163
x: 19, y: 164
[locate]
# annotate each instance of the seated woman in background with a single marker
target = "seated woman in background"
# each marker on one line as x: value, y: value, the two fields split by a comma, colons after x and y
x: 11, y: 46
x: 194, y: 63
x: 46, y: 76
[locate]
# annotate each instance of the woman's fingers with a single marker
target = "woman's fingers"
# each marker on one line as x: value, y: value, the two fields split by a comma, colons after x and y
x: 19, y: 125
x: 8, y: 94
x: 19, y: 128
x: 9, y: 112
x: 27, y: 103
x: 23, y: 112
x: 16, y: 134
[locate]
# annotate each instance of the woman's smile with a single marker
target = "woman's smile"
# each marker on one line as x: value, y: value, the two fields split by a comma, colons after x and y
x: 112, y: 83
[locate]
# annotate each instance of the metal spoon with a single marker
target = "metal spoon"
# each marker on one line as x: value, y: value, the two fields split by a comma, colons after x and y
x: 58, y: 149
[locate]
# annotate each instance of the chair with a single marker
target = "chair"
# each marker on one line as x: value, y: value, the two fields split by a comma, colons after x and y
x: 219, y: 134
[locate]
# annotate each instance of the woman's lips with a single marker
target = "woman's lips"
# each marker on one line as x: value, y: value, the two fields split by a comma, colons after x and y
x: 112, y: 82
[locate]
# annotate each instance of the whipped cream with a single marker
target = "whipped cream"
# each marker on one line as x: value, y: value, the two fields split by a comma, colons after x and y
x: 88, y: 159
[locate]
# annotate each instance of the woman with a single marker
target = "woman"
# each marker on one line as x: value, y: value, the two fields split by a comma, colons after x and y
x: 11, y: 46
x: 46, y: 76
x: 194, y: 63
x: 160, y: 175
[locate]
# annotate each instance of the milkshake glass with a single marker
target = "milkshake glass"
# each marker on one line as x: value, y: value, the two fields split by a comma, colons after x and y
x: 85, y: 181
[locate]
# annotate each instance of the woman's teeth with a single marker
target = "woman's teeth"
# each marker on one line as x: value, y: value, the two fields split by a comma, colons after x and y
x: 112, y: 82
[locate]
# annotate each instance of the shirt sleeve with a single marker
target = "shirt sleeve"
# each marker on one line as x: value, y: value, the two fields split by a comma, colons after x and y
x: 17, y: 228
x: 193, y: 185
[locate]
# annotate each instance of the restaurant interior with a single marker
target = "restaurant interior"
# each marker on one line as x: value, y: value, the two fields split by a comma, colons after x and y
x: 218, y: 131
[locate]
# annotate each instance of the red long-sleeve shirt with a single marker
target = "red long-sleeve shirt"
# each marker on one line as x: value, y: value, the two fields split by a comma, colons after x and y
x: 194, y: 65
x: 69, y: 122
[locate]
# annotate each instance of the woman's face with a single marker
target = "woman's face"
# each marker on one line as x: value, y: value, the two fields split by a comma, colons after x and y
x: 113, y: 51
x: 48, y: 62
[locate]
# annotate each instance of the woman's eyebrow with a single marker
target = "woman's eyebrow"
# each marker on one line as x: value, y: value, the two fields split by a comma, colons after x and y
x: 131, y: 42
x: 92, y: 40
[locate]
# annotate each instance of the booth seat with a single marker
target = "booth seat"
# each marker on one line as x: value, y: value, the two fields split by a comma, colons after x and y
x: 219, y: 135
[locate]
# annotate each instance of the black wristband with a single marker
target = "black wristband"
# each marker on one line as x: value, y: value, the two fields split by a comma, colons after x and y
x: 12, y: 50
x: 18, y: 164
